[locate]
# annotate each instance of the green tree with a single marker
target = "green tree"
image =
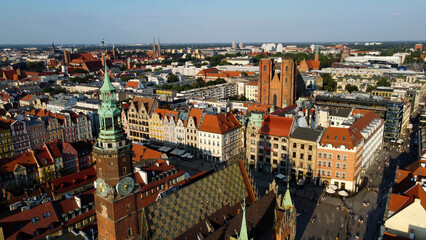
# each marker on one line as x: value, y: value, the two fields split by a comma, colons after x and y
x: 351, y: 88
x: 383, y: 82
x: 329, y: 83
x: 125, y: 79
x: 55, y: 90
x: 370, y: 88
x: 177, y: 88
x: 172, y: 78
x: 35, y: 66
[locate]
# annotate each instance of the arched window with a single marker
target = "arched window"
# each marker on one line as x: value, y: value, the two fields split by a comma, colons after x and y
x: 286, y: 68
x: 264, y: 68
x: 275, y: 100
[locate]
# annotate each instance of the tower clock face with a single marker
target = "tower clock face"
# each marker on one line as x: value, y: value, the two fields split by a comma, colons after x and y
x: 102, y: 187
x: 125, y: 186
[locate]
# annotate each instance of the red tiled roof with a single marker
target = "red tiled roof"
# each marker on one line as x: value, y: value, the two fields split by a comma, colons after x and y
x: 148, y: 103
x: 253, y: 83
x: 417, y: 192
x: 401, y: 175
x: 132, y: 84
x: 338, y: 136
x: 27, y: 228
x: 54, y: 150
x: 312, y: 64
x: 398, y: 202
x: 276, y: 126
x: 27, y: 97
x: 144, y: 153
x: 220, y: 123
x: 43, y: 157
x: 27, y: 159
x: 208, y: 70
x: 74, y: 180
x: 196, y: 114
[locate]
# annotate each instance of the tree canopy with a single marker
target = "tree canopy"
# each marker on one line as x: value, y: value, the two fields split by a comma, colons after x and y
x: 172, y: 78
x: 351, y: 88
x: 329, y: 83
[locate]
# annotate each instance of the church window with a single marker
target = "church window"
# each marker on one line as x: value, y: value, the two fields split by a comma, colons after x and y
x: 124, y: 170
x: 129, y: 232
x: 286, y: 68
x: 264, y: 68
x: 275, y: 100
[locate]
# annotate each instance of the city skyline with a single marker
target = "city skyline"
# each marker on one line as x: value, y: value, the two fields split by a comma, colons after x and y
x: 200, y: 22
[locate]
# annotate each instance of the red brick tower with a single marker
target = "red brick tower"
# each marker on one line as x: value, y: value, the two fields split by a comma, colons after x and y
x: 277, y: 84
x: 115, y: 198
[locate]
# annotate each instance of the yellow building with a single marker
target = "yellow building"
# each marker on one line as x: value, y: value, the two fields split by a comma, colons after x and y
x: 383, y: 92
x: 156, y: 125
x: 6, y: 144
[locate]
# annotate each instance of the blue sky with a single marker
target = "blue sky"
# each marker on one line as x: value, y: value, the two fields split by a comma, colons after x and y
x: 183, y: 21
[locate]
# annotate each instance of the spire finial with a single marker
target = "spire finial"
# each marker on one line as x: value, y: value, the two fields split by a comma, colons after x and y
x: 243, y: 232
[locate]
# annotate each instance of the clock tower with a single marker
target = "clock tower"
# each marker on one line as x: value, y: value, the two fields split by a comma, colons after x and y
x: 115, y: 197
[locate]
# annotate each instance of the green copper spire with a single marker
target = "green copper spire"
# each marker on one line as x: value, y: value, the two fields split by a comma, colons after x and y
x: 287, y: 203
x: 243, y: 232
x: 107, y: 87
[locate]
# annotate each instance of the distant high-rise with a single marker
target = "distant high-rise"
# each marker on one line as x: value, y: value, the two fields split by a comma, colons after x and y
x: 241, y: 45
x: 234, y: 45
x: 277, y: 81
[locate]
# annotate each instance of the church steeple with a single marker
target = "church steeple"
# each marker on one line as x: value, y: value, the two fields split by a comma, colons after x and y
x: 243, y: 231
x: 287, y: 203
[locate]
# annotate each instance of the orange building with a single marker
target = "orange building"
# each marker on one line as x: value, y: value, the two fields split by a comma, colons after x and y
x: 339, y: 158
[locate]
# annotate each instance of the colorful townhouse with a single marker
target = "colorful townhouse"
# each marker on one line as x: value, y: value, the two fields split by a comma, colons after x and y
x: 345, y: 151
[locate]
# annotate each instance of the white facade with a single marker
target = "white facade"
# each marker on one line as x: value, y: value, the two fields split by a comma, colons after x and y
x: 219, y: 147
x: 251, y: 92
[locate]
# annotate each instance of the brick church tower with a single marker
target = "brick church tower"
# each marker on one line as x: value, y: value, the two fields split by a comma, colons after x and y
x: 277, y: 82
x: 115, y: 198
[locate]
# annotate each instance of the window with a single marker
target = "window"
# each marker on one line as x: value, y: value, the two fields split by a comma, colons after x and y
x: 275, y: 145
x: 275, y: 154
x: 329, y: 164
x: 330, y: 156
x: 128, y: 207
x: 323, y: 172
x: 319, y: 155
x: 337, y: 165
x: 337, y: 174
x: 286, y: 68
x: 294, y: 154
x: 324, y: 164
x: 124, y: 170
x: 302, y: 146
x: 295, y: 145
x: 319, y: 172
x: 252, y: 149
x: 345, y: 157
x: 343, y: 175
x: 309, y: 157
x: 301, y: 156
x: 344, y: 166
x: 339, y: 157
x: 265, y: 68
x: 319, y: 163
x: 329, y: 173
